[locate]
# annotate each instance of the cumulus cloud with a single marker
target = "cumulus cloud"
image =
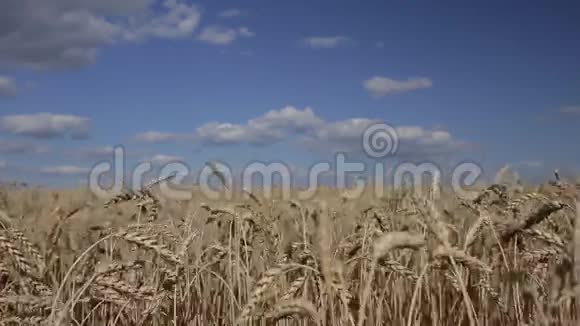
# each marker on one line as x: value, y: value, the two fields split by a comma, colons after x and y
x: 178, y: 21
x: 160, y: 137
x: 164, y: 159
x: 46, y: 125
x: 288, y: 117
x: 109, y: 7
x: 304, y: 128
x: 326, y: 42
x: 413, y: 141
x: 228, y: 133
x: 381, y: 86
x: 316, y: 134
x: 220, y: 35
x: 7, y: 87
x: 69, y: 33
x: 262, y: 130
x: 343, y: 130
x: 19, y: 147
x: 64, y: 170
x: 246, y: 32
x: 269, y: 128
x: 230, y: 13
x: 570, y: 109
x: 338, y: 136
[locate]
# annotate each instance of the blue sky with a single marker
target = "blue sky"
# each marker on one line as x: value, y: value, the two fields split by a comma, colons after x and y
x: 495, y: 82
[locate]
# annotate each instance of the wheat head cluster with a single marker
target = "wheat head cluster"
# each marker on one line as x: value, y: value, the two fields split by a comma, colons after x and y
x: 503, y: 257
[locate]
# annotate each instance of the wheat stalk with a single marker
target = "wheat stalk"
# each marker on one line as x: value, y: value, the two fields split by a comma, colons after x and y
x: 260, y: 290
x: 286, y: 309
x: 149, y: 242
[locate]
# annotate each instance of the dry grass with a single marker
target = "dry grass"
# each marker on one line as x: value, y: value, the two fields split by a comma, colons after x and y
x: 503, y: 258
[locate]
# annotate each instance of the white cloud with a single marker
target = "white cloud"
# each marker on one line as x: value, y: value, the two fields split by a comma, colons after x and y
x: 286, y: 118
x: 343, y: 130
x: 161, y: 137
x: 269, y: 128
x: 313, y: 133
x: 64, y: 170
x: 346, y: 136
x: 570, y: 109
x: 108, y: 7
x: 7, y: 87
x: 337, y: 136
x: 46, y: 125
x: 69, y: 33
x: 230, y: 13
x: 266, y: 129
x: 220, y: 35
x: 409, y: 132
x: 381, y: 86
x: 228, y: 133
x: 326, y: 42
x: 19, y: 147
x: 164, y: 159
x: 178, y: 21
x: 244, y: 31
x: 3, y: 164
x: 435, y: 137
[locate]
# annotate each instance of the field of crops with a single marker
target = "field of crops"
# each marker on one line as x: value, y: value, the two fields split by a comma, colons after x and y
x: 504, y: 257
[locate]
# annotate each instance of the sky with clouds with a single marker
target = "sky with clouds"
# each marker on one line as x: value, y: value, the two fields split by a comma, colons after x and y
x: 491, y: 82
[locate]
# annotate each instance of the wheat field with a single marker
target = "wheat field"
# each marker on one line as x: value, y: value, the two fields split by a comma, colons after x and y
x: 504, y: 257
